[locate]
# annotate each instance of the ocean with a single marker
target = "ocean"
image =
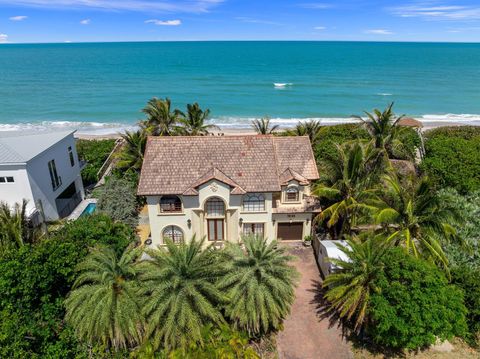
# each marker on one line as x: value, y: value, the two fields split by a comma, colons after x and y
x: 101, y: 87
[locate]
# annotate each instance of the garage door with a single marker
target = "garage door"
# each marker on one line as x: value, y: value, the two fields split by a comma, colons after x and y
x: 290, y: 231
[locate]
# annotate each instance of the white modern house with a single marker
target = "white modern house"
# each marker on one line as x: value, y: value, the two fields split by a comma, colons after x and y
x: 223, y: 187
x: 42, y: 168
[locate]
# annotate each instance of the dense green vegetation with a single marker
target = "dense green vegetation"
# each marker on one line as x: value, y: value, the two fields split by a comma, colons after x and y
x: 34, y: 281
x: 407, y: 240
x: 413, y: 304
x: 94, y: 152
x: 453, y: 157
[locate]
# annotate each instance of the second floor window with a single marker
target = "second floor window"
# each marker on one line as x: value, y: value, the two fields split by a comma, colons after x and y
x: 254, y: 203
x: 291, y: 194
x: 54, y: 177
x: 170, y: 204
x: 70, y: 155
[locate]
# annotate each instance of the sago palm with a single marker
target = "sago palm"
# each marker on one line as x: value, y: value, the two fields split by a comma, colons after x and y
x: 193, y: 122
x: 182, y: 293
x: 131, y: 155
x: 350, y: 187
x: 161, y: 120
x: 263, y: 126
x: 14, y: 227
x: 104, y: 306
x: 260, y: 285
x: 412, y: 215
x: 349, y: 289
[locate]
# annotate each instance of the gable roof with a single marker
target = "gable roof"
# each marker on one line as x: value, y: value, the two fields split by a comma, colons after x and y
x: 252, y: 163
x: 20, y: 147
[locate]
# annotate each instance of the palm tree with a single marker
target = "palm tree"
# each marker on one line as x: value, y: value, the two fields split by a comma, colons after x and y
x: 161, y: 120
x: 182, y: 294
x: 193, y: 122
x: 349, y: 289
x: 105, y: 305
x: 260, y: 285
x: 15, y: 230
x: 349, y: 188
x: 131, y: 155
x: 263, y: 126
x: 413, y: 217
x: 384, y: 130
x: 308, y: 128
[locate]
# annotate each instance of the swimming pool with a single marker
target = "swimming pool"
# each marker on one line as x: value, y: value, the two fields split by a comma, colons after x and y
x: 89, y: 209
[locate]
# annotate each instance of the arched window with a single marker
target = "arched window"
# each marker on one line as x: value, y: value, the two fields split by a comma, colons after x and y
x: 170, y: 204
x: 254, y: 203
x: 215, y: 207
x: 173, y: 233
x: 291, y: 195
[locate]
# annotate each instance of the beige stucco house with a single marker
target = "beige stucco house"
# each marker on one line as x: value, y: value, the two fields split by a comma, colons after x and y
x: 223, y: 187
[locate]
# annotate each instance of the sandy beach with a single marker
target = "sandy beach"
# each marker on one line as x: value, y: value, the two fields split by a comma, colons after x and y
x: 245, y: 131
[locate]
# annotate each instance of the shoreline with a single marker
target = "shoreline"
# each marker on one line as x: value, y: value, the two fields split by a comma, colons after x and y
x: 236, y: 131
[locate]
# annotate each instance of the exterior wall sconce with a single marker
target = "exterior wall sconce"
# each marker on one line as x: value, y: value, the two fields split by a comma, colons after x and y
x: 189, y: 223
x: 273, y: 221
x: 308, y: 220
x: 240, y: 221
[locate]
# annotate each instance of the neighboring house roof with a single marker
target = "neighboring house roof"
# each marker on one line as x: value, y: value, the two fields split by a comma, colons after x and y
x: 18, y: 147
x: 252, y: 163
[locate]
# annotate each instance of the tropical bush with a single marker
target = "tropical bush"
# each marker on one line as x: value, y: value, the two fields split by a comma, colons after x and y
x: 413, y: 304
x: 453, y: 157
x: 34, y: 280
x: 468, y: 279
x: 118, y: 199
x: 260, y: 285
x: 15, y: 230
x: 95, y: 153
x: 465, y: 251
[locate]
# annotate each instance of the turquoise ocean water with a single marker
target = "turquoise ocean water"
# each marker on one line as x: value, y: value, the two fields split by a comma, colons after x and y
x: 102, y: 86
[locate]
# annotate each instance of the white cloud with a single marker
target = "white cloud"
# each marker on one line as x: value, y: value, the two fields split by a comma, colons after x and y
x: 190, y: 6
x: 18, y: 18
x: 378, y: 32
x: 316, y: 5
x: 438, y: 11
x: 85, y: 22
x: 164, y: 22
x: 3, y: 38
x: 320, y: 28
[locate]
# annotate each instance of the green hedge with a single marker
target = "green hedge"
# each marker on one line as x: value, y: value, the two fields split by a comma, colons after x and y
x: 453, y: 157
x: 95, y: 153
x: 413, y: 304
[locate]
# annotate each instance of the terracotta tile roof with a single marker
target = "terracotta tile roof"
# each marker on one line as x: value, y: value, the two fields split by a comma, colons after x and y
x: 179, y: 164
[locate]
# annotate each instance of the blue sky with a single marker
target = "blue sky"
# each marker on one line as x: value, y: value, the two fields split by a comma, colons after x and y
x: 159, y: 20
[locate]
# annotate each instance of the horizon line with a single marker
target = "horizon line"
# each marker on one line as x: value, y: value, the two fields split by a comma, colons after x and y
x: 244, y: 40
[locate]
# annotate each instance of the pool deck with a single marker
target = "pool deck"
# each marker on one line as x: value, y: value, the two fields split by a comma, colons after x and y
x: 77, y: 212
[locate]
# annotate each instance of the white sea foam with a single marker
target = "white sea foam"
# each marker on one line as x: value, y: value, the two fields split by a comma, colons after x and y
x: 282, y: 85
x: 225, y: 122
x: 384, y: 94
x: 96, y: 128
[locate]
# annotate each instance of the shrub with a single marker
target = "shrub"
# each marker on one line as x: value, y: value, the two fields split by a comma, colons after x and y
x: 34, y: 281
x: 414, y: 304
x: 468, y: 279
x: 95, y: 152
x: 465, y: 250
x: 118, y: 199
x: 453, y: 157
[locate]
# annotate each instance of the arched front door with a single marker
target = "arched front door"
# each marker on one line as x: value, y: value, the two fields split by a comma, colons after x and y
x: 215, y: 214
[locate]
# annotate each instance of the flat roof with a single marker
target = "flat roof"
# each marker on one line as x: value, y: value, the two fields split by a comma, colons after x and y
x: 333, y: 251
x: 21, y: 147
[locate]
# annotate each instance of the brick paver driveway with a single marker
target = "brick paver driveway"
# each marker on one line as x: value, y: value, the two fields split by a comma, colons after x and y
x: 308, y: 333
